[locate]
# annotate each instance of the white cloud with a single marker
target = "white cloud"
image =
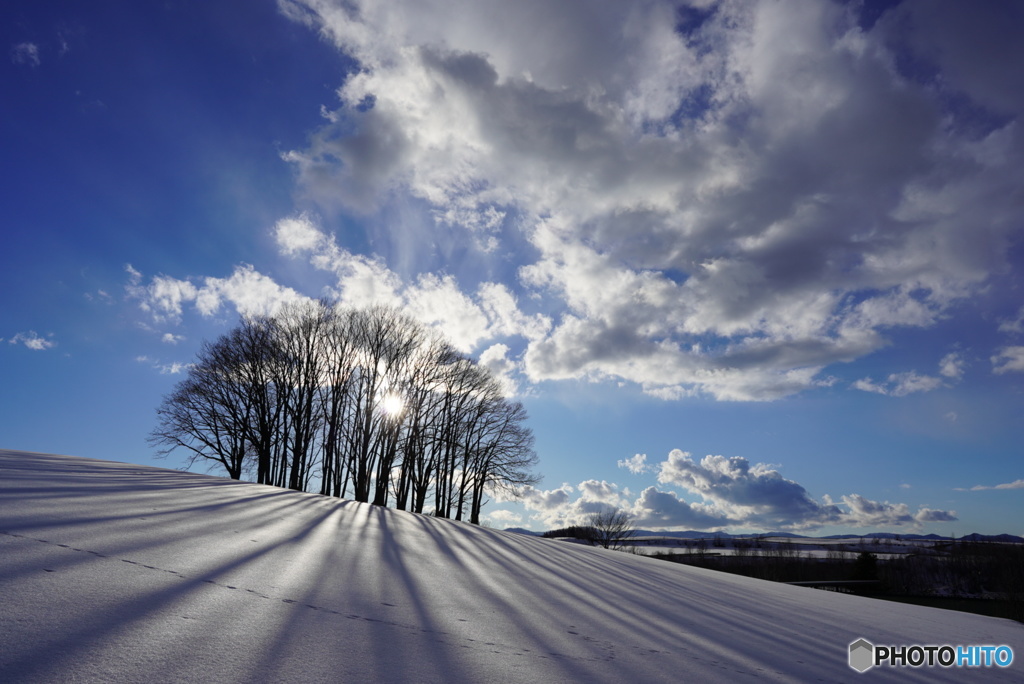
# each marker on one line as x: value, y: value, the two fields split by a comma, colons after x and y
x: 756, y: 494
x: 549, y: 504
x: 604, y: 492
x: 298, y: 234
x: 1008, y: 360
x: 173, y: 368
x: 33, y: 341
x: 636, y: 464
x: 952, y: 366
x: 726, y: 492
x: 249, y: 292
x: 503, y: 369
x: 901, y: 384
x: 1013, y: 325
x: 1016, y: 484
x: 868, y: 385
x: 503, y: 517
x: 505, y: 318
x: 867, y: 513
x: 909, y: 383
x: 689, y: 227
x: 166, y: 295
x: 438, y: 301
x: 657, y: 509
x: 25, y: 53
x: 171, y: 338
x: 557, y: 507
x: 931, y: 515
x: 468, y: 321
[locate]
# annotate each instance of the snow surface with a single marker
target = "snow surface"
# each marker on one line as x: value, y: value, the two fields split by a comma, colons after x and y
x: 111, y: 572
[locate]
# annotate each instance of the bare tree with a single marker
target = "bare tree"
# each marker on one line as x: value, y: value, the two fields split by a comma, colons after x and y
x: 612, y: 527
x: 504, y: 458
x: 326, y: 397
x: 195, y: 419
x: 221, y: 411
x: 338, y: 356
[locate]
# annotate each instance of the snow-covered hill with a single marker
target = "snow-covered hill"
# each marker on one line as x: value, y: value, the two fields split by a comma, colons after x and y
x: 111, y: 572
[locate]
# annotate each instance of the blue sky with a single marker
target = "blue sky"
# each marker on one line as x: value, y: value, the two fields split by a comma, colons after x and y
x: 749, y: 265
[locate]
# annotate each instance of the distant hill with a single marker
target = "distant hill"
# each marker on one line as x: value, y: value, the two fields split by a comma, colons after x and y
x: 1005, y: 538
x: 695, y: 534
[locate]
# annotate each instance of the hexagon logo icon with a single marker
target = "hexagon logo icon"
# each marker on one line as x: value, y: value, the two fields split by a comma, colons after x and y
x: 862, y: 655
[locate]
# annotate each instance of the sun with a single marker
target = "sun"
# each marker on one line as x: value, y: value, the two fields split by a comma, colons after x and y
x: 392, y: 405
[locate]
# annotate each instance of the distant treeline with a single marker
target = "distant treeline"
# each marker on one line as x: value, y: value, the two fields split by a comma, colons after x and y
x: 582, y: 532
x: 359, y: 403
x: 962, y: 569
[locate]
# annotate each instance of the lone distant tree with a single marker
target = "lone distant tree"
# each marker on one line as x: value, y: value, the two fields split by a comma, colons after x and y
x: 612, y: 527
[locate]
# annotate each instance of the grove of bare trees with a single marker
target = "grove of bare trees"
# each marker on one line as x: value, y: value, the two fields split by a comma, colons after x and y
x: 364, y: 404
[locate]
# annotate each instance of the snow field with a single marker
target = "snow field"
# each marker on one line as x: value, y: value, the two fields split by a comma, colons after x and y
x: 112, y: 572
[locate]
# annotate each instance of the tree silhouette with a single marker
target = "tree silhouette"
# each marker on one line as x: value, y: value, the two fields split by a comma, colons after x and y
x: 365, y: 403
x: 611, y: 526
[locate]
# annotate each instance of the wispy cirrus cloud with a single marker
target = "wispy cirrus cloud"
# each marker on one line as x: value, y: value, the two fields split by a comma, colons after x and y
x: 900, y: 384
x: 951, y: 367
x: 1016, y: 484
x: 172, y: 368
x: 26, y: 53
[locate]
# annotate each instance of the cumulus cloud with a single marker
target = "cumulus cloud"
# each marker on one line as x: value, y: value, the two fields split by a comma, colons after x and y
x: 468, y: 320
x: 560, y: 508
x: 721, y: 492
x: 724, y: 205
x: 862, y: 512
x: 503, y: 369
x: 33, y: 341
x: 636, y: 464
x: 658, y: 509
x: 248, y: 291
x: 546, y: 502
x: 931, y: 515
x: 757, y: 494
x: 503, y: 517
x: 866, y: 513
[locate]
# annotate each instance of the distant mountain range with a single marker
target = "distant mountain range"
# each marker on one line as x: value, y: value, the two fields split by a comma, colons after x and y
x: 694, y: 534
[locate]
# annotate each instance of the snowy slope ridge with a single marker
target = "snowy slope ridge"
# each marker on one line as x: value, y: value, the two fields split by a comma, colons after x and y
x: 112, y: 572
